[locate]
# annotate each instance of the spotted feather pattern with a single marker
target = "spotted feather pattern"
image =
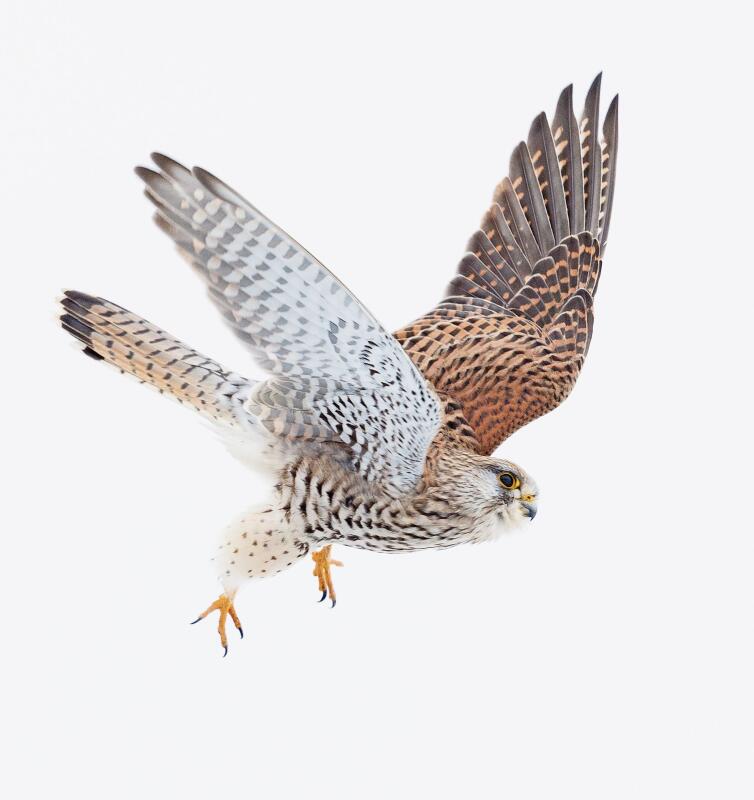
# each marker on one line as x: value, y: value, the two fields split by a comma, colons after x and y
x: 337, y: 375
x: 508, y: 341
x: 339, y: 381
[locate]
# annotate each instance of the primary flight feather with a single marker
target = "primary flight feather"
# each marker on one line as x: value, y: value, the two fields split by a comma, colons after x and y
x: 380, y: 441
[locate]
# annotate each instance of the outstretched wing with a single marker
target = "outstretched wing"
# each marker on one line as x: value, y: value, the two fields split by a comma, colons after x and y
x: 509, y: 339
x: 338, y: 378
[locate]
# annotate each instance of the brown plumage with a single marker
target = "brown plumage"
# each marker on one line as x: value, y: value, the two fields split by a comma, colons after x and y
x: 508, y: 341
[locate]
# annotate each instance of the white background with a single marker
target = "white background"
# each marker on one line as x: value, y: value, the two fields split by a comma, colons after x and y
x: 606, y: 652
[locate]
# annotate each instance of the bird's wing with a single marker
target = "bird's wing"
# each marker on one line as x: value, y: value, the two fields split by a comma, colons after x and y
x: 508, y: 341
x: 338, y: 378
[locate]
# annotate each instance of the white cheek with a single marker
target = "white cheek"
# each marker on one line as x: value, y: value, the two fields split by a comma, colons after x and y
x: 511, y: 518
x: 514, y: 516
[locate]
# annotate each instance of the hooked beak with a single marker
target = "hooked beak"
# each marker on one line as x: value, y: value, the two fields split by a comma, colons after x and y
x: 529, y: 509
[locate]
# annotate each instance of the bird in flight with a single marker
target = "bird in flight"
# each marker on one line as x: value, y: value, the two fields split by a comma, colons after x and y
x: 376, y: 440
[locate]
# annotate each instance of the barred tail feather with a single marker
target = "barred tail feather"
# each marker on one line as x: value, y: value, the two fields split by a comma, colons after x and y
x: 133, y: 345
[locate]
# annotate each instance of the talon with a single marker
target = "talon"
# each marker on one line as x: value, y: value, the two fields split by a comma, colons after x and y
x: 322, y: 564
x: 223, y: 604
x: 198, y: 619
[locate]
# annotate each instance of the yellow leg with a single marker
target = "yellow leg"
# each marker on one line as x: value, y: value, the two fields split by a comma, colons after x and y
x: 223, y: 604
x: 322, y: 564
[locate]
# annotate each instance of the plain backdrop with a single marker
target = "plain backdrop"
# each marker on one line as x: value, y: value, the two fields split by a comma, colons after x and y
x: 605, y: 652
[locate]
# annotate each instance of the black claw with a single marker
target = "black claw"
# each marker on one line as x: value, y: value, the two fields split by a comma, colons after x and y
x: 324, y: 595
x: 226, y: 651
x: 198, y: 619
x: 240, y: 630
x: 334, y: 601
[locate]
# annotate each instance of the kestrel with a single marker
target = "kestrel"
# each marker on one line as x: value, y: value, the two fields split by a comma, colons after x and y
x: 379, y: 441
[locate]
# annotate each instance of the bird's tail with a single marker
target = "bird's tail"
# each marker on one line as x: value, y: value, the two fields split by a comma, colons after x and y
x: 133, y: 345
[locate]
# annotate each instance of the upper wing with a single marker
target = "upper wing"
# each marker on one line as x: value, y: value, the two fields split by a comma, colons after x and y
x: 509, y: 339
x: 338, y: 377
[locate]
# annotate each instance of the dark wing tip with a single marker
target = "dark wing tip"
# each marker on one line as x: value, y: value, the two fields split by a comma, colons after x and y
x: 519, y: 155
x: 593, y: 96
x: 160, y: 158
x: 208, y: 180
x: 83, y: 299
x: 539, y: 124
x: 610, y: 139
x: 565, y: 101
x: 87, y: 351
x: 77, y: 328
x: 201, y: 173
x: 169, y: 165
x: 611, y: 118
x: 145, y: 173
x: 221, y: 189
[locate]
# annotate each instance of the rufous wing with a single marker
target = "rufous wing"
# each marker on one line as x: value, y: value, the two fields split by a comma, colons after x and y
x: 509, y: 339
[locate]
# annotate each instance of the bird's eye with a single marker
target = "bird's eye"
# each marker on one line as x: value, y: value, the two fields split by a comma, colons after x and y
x: 509, y: 480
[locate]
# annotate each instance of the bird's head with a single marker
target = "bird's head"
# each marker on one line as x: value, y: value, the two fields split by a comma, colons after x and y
x: 493, y: 490
x: 509, y: 491
x: 516, y: 491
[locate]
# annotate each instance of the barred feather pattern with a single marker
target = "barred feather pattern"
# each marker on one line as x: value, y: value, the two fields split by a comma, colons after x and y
x: 136, y: 346
x: 509, y: 340
x: 451, y: 507
x: 337, y: 376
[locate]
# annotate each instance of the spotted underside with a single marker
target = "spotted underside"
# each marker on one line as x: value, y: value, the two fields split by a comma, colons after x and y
x: 509, y: 339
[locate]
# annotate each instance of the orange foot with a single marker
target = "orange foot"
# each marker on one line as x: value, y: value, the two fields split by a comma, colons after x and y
x: 322, y: 564
x: 223, y: 604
